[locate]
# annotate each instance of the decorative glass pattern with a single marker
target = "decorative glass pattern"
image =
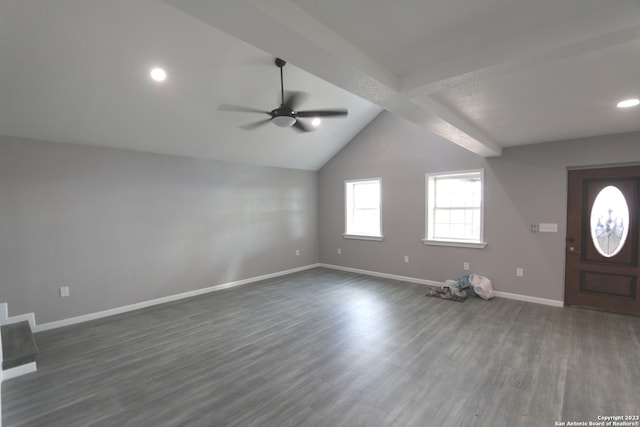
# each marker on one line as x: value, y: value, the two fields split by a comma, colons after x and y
x: 609, y: 221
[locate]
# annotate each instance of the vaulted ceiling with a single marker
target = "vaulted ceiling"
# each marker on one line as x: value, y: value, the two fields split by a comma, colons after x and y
x: 485, y: 74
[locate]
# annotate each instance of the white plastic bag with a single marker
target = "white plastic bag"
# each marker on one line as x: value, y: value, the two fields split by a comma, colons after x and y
x: 482, y: 286
x: 454, y: 288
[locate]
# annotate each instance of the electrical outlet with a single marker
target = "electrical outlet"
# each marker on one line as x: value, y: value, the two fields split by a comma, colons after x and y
x: 64, y: 291
x: 297, y: 252
x: 465, y: 266
x: 339, y: 251
x: 406, y: 259
x: 519, y: 272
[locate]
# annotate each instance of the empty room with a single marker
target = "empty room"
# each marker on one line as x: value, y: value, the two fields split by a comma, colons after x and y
x: 319, y: 213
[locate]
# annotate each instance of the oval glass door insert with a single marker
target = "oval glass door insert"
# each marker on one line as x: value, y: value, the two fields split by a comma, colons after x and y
x: 609, y: 221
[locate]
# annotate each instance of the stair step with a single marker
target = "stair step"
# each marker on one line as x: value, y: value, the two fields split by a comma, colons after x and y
x: 18, y: 345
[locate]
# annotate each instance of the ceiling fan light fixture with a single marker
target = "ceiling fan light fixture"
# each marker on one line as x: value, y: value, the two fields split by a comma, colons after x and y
x: 316, y: 122
x: 158, y: 74
x: 628, y: 103
x: 283, y: 121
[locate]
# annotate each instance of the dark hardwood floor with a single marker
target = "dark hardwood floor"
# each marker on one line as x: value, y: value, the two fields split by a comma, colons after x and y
x: 328, y: 348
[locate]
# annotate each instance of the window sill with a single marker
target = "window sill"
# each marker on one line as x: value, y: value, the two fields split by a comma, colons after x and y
x: 361, y: 237
x: 462, y: 244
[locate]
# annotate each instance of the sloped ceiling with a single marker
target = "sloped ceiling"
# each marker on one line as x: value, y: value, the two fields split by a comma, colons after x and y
x: 485, y: 74
x: 78, y: 71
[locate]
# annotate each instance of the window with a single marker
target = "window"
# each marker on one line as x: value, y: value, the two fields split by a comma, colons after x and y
x: 609, y: 221
x: 362, y: 209
x: 454, y: 214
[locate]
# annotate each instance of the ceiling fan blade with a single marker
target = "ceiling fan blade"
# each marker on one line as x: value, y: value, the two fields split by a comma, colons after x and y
x: 301, y: 127
x: 322, y: 113
x: 241, y: 109
x: 251, y: 126
x: 293, y: 99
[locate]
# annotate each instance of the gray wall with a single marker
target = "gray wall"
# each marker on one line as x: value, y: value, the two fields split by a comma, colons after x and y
x: 120, y: 227
x: 526, y: 185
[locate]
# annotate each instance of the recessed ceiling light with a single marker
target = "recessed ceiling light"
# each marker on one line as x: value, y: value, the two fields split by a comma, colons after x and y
x: 316, y: 122
x: 158, y: 74
x: 627, y: 103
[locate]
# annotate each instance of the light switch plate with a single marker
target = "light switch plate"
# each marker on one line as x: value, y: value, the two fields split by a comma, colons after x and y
x: 547, y: 228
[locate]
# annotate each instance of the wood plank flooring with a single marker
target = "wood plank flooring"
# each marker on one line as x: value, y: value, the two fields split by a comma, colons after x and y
x: 328, y: 348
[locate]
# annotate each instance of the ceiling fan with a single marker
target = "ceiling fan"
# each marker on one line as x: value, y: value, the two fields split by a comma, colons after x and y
x: 286, y: 114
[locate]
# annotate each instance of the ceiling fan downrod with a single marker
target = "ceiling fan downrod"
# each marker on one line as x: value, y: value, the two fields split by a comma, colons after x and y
x: 280, y: 63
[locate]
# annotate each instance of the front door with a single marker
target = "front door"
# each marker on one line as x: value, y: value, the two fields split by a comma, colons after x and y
x: 603, y: 221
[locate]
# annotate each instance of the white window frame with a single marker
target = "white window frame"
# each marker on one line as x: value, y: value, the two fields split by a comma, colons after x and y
x: 348, y: 203
x: 430, y: 179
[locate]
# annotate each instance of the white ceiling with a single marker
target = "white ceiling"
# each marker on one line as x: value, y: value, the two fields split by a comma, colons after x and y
x: 485, y: 74
x: 78, y: 71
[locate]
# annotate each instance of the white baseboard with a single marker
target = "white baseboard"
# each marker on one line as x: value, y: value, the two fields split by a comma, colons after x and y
x: 383, y: 275
x: 7, y: 374
x: 170, y: 298
x: 505, y: 295
x: 526, y: 298
x: 118, y: 310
